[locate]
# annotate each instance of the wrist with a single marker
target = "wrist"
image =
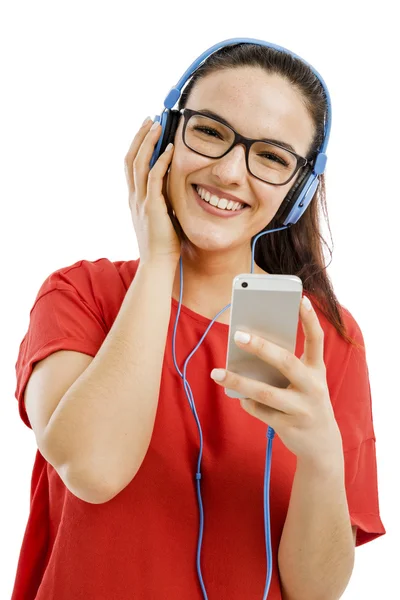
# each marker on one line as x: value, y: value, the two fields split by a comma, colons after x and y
x: 162, y: 264
x: 328, y: 466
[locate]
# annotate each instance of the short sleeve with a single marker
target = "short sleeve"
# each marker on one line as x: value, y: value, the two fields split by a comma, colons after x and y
x: 65, y: 316
x: 353, y: 411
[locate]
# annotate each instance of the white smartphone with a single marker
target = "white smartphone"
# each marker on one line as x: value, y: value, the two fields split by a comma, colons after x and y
x: 268, y: 306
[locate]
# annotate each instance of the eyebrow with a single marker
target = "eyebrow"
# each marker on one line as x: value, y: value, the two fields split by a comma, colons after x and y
x: 280, y: 142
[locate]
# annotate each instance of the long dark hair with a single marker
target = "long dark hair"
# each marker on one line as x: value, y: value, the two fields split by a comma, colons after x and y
x: 299, y: 249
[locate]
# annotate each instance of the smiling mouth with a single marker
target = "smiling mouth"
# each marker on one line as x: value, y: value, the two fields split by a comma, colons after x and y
x: 214, y: 210
x: 221, y: 204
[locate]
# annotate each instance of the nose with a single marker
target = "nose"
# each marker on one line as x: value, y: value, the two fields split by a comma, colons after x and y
x: 231, y: 168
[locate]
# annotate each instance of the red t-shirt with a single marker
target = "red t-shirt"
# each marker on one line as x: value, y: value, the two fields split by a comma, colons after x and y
x: 143, y: 543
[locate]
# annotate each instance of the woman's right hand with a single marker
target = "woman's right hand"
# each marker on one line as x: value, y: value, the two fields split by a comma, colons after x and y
x: 155, y: 232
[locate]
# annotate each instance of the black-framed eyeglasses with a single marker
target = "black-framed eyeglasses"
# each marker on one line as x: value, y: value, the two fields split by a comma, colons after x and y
x: 265, y: 160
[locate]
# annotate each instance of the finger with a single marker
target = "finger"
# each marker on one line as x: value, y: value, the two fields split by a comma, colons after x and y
x: 282, y: 400
x: 133, y: 149
x: 280, y: 358
x: 141, y: 164
x: 158, y: 171
x: 269, y: 416
x: 313, y: 334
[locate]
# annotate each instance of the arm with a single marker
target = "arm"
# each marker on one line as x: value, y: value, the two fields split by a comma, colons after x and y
x: 316, y: 552
x: 101, y: 429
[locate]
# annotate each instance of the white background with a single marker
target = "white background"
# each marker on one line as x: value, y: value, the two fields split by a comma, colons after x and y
x: 77, y: 80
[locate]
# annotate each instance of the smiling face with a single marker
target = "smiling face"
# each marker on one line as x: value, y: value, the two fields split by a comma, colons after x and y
x: 257, y: 105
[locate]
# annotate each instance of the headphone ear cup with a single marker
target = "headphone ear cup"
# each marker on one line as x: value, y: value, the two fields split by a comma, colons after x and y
x: 171, y: 125
x: 169, y: 121
x: 293, y: 194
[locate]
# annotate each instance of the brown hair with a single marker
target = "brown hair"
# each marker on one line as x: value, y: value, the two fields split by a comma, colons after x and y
x: 297, y: 250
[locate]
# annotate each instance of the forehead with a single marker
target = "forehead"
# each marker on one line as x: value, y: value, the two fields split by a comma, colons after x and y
x: 256, y: 103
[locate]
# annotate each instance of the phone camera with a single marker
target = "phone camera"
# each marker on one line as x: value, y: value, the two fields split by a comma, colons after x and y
x: 245, y: 284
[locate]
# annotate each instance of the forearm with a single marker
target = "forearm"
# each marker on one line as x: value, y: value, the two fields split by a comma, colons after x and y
x: 316, y: 552
x: 101, y: 428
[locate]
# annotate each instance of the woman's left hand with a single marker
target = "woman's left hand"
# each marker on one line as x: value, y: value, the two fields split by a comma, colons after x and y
x: 301, y: 414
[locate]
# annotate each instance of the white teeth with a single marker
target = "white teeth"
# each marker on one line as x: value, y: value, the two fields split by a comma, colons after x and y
x: 214, y: 200
x: 221, y: 203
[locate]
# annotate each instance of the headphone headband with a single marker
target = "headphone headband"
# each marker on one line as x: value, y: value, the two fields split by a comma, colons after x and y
x: 175, y: 92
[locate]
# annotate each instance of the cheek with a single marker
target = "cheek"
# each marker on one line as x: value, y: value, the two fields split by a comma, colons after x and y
x: 184, y: 163
x: 174, y: 176
x: 177, y: 173
x: 270, y: 197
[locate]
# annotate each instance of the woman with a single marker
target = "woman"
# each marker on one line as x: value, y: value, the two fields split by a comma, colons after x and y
x: 114, y: 509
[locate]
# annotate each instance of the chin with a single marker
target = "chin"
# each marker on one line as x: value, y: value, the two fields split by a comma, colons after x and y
x: 207, y: 239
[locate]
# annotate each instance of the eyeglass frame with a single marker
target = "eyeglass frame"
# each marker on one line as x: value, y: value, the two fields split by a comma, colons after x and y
x: 240, y: 139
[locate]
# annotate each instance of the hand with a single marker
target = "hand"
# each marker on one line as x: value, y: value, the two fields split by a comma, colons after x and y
x: 301, y: 414
x: 155, y: 232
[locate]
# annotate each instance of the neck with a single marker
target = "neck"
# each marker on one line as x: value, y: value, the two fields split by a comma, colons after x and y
x: 208, y: 276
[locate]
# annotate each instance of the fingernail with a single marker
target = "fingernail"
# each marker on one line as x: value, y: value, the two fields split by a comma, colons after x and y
x: 147, y: 119
x: 241, y: 336
x: 218, y: 374
x: 155, y: 125
x: 306, y: 303
x: 169, y: 147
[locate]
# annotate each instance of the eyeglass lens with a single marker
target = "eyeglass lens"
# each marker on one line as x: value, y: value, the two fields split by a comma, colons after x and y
x: 266, y: 161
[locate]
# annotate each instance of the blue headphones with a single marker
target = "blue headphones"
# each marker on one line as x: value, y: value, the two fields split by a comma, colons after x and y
x: 302, y: 191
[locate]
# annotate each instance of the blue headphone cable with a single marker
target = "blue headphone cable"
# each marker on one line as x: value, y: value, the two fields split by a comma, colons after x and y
x: 270, y: 435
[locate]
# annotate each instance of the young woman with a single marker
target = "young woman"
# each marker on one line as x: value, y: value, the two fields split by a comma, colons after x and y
x: 114, y: 507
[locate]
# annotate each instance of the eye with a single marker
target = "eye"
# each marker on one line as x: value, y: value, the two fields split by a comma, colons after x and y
x: 274, y: 158
x: 207, y: 130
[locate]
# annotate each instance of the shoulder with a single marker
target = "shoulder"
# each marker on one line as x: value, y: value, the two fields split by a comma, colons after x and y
x: 346, y: 367
x: 96, y: 288
x: 352, y: 327
x: 349, y: 321
x: 341, y: 356
x: 91, y: 278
